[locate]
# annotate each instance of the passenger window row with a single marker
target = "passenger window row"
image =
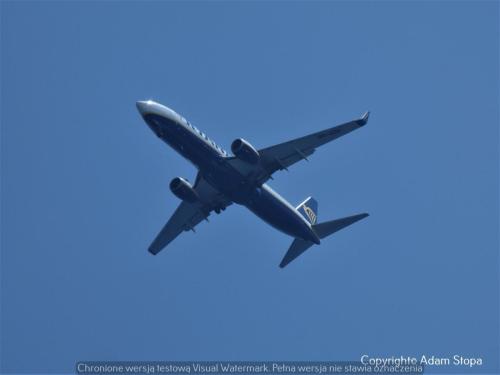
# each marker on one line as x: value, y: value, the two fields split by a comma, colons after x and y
x: 206, y: 138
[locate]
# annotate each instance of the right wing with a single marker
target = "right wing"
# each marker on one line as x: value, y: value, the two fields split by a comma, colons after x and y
x: 188, y: 215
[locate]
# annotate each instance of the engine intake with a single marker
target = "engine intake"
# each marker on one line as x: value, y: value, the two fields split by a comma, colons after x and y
x: 183, y: 190
x: 245, y: 151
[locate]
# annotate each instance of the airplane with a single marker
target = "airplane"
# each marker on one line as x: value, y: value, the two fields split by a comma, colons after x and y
x: 224, y: 179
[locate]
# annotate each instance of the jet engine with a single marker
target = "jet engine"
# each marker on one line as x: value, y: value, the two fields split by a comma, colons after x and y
x: 244, y: 151
x: 183, y: 190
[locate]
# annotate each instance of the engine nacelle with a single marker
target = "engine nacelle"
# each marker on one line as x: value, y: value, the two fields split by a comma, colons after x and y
x: 244, y: 151
x: 183, y: 190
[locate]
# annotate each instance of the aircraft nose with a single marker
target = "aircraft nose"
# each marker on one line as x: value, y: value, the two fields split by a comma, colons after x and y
x: 142, y: 106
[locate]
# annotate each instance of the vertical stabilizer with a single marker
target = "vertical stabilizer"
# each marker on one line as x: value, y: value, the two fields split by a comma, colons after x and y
x: 309, y: 209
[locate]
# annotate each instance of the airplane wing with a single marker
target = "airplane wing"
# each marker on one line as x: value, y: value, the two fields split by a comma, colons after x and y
x: 188, y: 215
x: 283, y: 155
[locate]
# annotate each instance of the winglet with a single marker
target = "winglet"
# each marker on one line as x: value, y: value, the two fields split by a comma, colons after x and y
x: 364, y: 119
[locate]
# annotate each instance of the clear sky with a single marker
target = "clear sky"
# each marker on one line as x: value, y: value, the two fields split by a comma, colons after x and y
x: 85, y: 183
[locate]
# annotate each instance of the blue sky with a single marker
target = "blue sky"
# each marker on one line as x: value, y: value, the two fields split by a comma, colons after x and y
x: 85, y: 183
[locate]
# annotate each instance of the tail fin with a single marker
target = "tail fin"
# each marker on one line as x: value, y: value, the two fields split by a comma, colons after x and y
x: 329, y: 227
x: 323, y: 230
x: 309, y: 209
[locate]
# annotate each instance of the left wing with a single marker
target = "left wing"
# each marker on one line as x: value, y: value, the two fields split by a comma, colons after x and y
x: 283, y: 155
x: 188, y: 215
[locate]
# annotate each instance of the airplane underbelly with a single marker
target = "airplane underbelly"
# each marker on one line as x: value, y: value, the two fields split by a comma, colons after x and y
x: 193, y: 149
x: 275, y: 212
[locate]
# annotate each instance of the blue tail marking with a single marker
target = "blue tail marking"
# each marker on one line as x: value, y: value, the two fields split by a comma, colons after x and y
x: 309, y: 209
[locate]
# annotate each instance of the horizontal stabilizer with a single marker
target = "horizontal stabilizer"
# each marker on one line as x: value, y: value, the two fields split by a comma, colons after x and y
x: 322, y: 230
x: 298, y: 247
x: 325, y: 229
